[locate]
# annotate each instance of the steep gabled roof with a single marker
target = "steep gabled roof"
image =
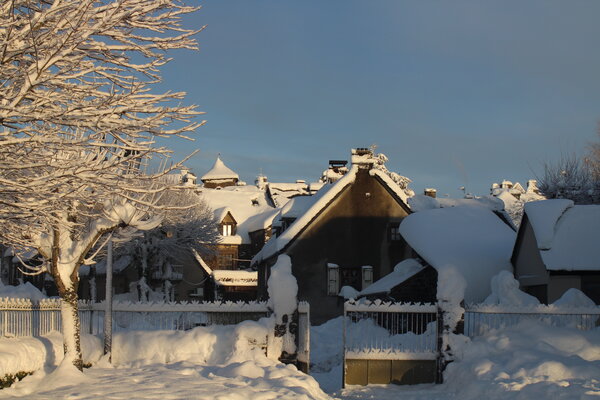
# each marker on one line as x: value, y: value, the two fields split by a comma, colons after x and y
x: 317, y: 204
x: 219, y: 171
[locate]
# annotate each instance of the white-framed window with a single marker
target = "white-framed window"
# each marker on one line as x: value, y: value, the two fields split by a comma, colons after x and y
x: 367, y: 276
x: 333, y: 279
x: 227, y: 230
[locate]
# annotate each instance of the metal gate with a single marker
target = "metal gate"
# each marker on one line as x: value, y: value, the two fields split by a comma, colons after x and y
x: 391, y: 343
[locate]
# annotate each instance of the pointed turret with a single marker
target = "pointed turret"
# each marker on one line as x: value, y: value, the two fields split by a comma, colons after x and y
x: 220, y: 176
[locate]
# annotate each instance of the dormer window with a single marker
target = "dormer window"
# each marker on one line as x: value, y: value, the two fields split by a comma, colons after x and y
x: 228, y: 229
x: 228, y: 226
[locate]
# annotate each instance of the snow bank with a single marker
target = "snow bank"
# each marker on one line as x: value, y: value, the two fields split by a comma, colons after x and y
x: 218, y: 362
x: 22, y: 291
x: 574, y: 298
x: 528, y: 361
x: 505, y: 291
x: 31, y: 354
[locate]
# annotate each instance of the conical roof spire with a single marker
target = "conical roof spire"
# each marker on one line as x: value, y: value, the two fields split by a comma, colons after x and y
x: 220, y: 171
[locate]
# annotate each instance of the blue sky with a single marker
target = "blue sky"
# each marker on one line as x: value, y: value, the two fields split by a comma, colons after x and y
x: 455, y: 93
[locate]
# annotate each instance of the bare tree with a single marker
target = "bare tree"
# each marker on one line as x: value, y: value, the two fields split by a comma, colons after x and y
x: 571, y: 177
x: 593, y: 158
x: 188, y: 224
x: 77, y: 117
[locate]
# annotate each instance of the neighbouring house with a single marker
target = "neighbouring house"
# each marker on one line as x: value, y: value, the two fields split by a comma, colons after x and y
x: 348, y: 224
x: 558, y: 248
x: 471, y: 239
x: 514, y: 197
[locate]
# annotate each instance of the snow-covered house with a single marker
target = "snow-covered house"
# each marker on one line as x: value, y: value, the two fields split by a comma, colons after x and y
x: 219, y: 176
x: 557, y: 248
x: 350, y: 223
x: 514, y: 196
x: 472, y: 240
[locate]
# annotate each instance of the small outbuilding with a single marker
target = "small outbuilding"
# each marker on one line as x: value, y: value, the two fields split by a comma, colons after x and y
x: 558, y: 248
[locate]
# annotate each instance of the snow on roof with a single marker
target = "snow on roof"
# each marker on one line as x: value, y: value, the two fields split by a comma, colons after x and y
x: 319, y: 201
x: 473, y: 240
x: 244, y: 202
x: 421, y: 202
x: 543, y: 216
x: 390, y: 183
x: 297, y: 206
x: 221, y: 213
x: 261, y: 221
x: 567, y: 235
x: 281, y: 193
x: 219, y: 171
x: 201, y: 261
x: 235, y: 277
x: 402, y: 271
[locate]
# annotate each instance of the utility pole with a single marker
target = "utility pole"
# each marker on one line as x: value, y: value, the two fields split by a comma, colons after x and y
x: 108, y: 302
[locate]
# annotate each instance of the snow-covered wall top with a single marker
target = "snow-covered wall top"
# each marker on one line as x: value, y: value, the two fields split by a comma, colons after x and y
x: 473, y: 240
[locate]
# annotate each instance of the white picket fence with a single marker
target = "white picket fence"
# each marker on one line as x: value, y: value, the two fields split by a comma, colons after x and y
x: 23, y: 317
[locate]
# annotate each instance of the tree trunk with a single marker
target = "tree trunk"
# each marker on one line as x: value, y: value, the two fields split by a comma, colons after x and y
x: 71, y: 326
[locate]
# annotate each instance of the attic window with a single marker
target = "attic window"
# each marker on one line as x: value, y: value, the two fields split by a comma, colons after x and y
x: 228, y: 229
x: 394, y: 232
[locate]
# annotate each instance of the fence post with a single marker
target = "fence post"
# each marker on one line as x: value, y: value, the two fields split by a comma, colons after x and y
x: 441, y: 362
x: 344, y: 348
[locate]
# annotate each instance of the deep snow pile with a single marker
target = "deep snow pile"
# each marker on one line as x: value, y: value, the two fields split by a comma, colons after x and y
x: 216, y: 362
x: 22, y: 291
x: 528, y: 361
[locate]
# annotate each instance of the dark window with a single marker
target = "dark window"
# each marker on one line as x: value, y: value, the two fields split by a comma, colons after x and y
x: 394, y: 232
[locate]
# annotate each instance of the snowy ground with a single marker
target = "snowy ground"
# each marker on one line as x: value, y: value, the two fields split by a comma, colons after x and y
x: 528, y: 361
